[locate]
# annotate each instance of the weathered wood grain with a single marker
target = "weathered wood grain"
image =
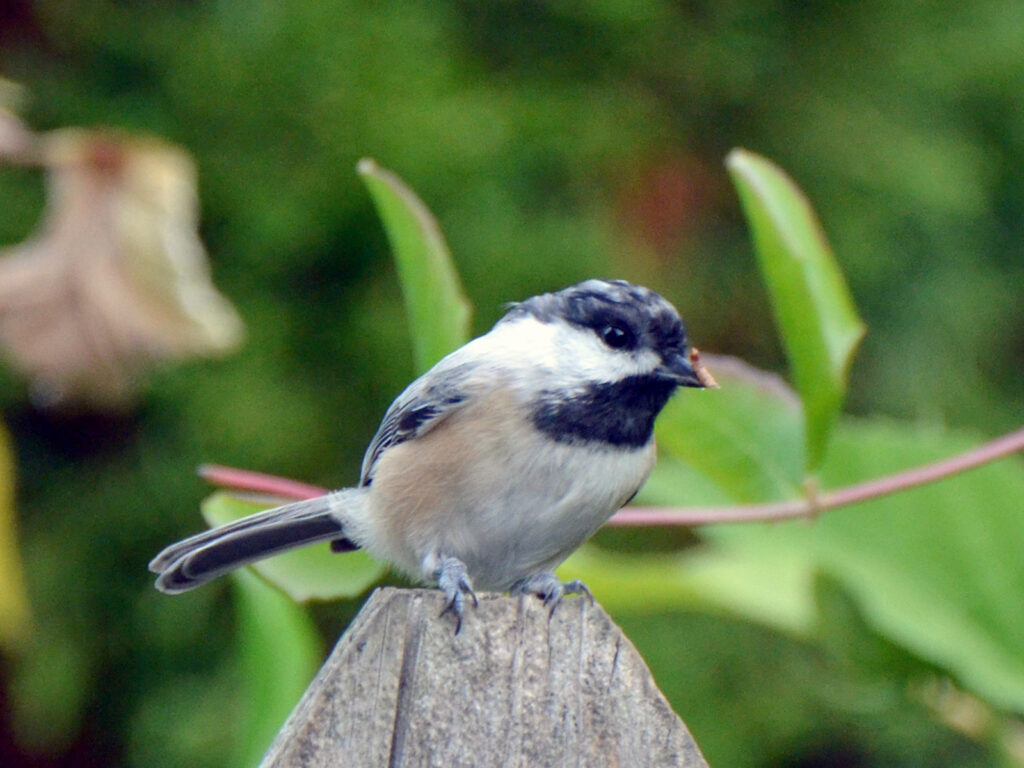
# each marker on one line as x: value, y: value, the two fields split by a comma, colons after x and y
x: 511, y: 689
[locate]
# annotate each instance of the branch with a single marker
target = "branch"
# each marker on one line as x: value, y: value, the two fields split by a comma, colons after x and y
x: 257, y: 482
x: 809, y: 507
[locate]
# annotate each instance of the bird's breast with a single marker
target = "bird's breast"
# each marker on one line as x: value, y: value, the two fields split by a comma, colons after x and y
x: 488, y: 487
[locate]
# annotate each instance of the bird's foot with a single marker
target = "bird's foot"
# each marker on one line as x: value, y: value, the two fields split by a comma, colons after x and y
x: 454, y: 582
x: 550, y: 589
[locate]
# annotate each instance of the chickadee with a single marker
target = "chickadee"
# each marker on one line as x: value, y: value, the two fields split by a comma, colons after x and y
x: 491, y: 468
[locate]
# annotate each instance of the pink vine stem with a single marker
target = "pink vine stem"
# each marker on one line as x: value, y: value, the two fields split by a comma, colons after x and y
x: 841, y: 497
x: 258, y: 482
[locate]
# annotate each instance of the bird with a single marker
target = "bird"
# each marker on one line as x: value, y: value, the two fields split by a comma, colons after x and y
x: 492, y: 467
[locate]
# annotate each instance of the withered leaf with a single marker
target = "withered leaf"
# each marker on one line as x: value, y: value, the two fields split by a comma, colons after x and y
x: 17, y: 142
x: 116, y: 279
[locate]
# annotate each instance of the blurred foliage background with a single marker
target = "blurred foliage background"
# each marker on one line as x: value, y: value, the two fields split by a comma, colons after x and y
x: 554, y: 142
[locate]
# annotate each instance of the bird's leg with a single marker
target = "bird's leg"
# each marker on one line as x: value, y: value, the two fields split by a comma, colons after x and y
x: 454, y: 582
x: 549, y: 588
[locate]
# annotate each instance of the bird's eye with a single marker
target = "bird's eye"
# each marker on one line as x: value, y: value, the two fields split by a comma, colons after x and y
x: 616, y: 337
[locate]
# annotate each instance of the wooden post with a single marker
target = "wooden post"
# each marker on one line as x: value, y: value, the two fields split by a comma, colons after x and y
x: 511, y: 689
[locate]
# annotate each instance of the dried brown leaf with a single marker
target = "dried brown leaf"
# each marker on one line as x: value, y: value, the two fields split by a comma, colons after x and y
x: 703, y: 374
x: 17, y: 142
x: 116, y: 279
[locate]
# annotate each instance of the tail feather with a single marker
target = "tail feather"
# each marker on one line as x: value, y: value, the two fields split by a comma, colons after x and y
x: 207, y: 555
x: 298, y: 510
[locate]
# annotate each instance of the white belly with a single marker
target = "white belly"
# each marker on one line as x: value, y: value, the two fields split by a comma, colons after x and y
x: 507, y: 508
x: 536, y: 524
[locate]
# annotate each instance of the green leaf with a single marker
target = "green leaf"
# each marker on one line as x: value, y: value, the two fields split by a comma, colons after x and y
x: 936, y: 570
x: 746, y: 436
x: 14, y: 606
x: 815, y: 313
x: 439, y: 311
x: 309, y: 573
x: 672, y: 478
x: 280, y: 652
x: 776, y: 590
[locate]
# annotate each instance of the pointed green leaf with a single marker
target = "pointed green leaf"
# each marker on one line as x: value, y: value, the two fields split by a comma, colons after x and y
x: 745, y: 437
x: 14, y: 610
x: 775, y: 589
x: 309, y: 573
x: 815, y: 313
x: 438, y: 310
x: 936, y: 570
x: 280, y: 652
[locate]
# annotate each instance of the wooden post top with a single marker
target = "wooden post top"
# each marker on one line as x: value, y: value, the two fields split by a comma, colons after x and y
x: 511, y: 689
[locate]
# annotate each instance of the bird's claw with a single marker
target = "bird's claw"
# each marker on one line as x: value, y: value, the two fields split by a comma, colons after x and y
x: 550, y: 589
x: 454, y: 582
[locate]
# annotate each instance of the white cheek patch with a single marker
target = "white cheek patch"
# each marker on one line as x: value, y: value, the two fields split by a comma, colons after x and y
x: 524, y: 342
x: 585, y: 357
x: 567, y: 353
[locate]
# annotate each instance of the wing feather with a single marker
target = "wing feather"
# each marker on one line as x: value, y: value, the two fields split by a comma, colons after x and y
x: 422, y: 406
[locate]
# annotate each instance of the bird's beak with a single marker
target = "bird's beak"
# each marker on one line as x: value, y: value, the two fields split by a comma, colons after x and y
x: 679, y: 369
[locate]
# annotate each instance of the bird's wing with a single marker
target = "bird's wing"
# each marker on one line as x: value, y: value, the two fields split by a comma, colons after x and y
x: 420, y: 408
